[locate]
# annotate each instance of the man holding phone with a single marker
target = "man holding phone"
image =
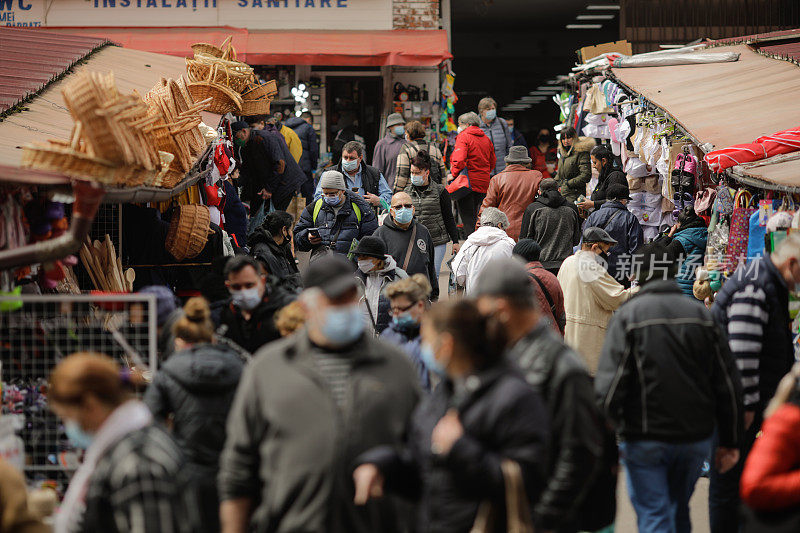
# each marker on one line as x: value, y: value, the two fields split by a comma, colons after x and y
x: 334, y: 220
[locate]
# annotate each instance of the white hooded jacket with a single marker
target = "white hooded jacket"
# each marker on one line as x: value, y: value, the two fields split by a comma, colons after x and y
x: 485, y: 244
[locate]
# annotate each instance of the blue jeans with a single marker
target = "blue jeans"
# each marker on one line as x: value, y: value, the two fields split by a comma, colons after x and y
x: 438, y: 256
x: 661, y: 479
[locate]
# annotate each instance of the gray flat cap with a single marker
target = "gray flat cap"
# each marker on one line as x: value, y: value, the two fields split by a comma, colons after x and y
x: 595, y: 234
x: 332, y: 179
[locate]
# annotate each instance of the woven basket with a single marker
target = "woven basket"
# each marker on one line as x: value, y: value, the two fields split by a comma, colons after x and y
x: 264, y: 90
x: 199, y: 71
x: 188, y: 231
x: 251, y: 108
x: 235, y: 66
x: 224, y: 100
x: 207, y: 49
x: 60, y: 157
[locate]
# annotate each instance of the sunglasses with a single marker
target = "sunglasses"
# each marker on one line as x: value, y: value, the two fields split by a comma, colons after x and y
x: 408, y: 206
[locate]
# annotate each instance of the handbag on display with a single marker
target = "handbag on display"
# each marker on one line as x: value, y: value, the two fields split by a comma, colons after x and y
x: 743, y: 209
x: 704, y: 199
x: 723, y: 204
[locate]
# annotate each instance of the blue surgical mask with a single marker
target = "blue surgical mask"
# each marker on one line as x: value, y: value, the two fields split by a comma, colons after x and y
x: 491, y: 115
x: 77, y: 436
x: 332, y: 200
x: 343, y: 325
x: 247, y: 299
x: 403, y: 215
x: 511, y: 129
x: 350, y: 166
x: 399, y: 130
x: 417, y: 180
x: 426, y: 353
x: 404, y: 321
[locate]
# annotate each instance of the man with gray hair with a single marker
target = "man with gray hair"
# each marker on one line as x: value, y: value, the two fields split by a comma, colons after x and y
x: 497, y: 130
x: 384, y: 158
x: 488, y: 242
x: 554, y: 223
x: 361, y: 178
x: 335, y: 220
x: 753, y: 309
x: 471, y: 166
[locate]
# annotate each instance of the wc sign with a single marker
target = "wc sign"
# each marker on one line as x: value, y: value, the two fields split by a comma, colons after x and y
x: 23, y: 13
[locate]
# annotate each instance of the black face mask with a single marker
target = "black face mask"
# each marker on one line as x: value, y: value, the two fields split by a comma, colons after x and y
x: 604, y: 255
x: 544, y: 139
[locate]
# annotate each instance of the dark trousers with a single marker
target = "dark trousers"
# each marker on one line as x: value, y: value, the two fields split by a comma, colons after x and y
x: 307, y: 188
x: 468, y: 210
x: 723, y: 491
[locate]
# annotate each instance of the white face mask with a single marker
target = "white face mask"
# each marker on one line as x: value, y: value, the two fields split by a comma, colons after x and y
x: 461, y: 128
x: 365, y: 265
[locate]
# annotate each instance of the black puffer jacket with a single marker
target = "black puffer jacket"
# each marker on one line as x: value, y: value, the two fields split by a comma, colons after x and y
x: 503, y: 418
x: 260, y: 329
x: 666, y: 372
x: 338, y: 228
x: 576, y: 445
x: 278, y: 260
x: 197, y: 386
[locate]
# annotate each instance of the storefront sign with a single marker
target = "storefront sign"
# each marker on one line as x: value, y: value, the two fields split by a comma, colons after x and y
x: 250, y: 14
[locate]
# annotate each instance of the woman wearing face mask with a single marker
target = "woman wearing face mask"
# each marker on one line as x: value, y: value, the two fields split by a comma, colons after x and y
x: 482, y: 413
x: 196, y: 387
x: 271, y: 244
x: 415, y: 142
x: 133, y: 474
x: 376, y: 270
x: 433, y: 208
x: 544, y: 154
x: 409, y: 299
x: 497, y: 130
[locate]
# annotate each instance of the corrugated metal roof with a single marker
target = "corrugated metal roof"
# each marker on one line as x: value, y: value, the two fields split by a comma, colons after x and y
x: 32, y: 59
x: 783, y: 50
x: 760, y: 37
x: 46, y: 116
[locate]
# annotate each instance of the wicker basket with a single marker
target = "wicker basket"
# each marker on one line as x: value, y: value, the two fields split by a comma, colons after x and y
x: 264, y: 90
x: 188, y: 231
x: 235, y: 66
x: 199, y: 71
x: 224, y: 100
x: 251, y: 108
x: 207, y: 49
x: 60, y: 157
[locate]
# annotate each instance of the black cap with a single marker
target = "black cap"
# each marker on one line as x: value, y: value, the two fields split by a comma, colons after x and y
x: 506, y: 276
x: 239, y: 125
x: 595, y: 234
x: 371, y: 247
x: 332, y: 273
x: 618, y: 191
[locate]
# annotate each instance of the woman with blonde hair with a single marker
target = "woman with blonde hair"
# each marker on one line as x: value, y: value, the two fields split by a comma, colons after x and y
x: 290, y: 318
x: 409, y: 298
x: 132, y: 476
x: 196, y: 387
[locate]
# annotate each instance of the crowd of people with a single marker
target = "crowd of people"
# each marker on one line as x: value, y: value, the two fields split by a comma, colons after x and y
x: 351, y: 395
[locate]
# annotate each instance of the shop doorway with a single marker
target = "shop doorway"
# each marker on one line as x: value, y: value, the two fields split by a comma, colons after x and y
x: 354, y: 106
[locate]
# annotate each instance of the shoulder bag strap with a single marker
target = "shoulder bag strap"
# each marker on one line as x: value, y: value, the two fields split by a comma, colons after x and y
x: 612, y: 217
x: 547, y: 296
x: 410, y: 248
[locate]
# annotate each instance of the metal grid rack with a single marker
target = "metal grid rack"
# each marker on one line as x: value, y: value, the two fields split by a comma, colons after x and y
x: 36, y: 332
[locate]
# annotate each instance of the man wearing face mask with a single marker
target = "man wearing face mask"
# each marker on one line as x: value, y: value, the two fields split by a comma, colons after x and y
x: 336, y: 219
x: 497, y: 130
x: 753, y: 309
x: 248, y: 319
x: 360, y: 177
x: 271, y: 244
x: 518, y: 139
x: 376, y: 270
x: 408, y: 241
x: 306, y: 408
x: 591, y: 295
x: 579, y: 489
x: 384, y: 158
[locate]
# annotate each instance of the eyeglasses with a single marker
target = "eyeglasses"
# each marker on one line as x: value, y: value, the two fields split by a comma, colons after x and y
x: 398, y: 310
x: 408, y: 206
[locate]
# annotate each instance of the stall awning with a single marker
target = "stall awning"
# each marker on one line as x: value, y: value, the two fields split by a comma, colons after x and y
x: 409, y: 48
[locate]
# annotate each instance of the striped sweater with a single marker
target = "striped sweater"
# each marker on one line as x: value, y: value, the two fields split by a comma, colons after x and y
x: 747, y: 318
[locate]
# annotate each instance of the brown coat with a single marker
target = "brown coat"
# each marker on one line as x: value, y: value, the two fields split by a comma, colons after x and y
x: 511, y: 192
x: 15, y: 517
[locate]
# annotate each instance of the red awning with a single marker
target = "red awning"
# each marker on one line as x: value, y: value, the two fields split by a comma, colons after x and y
x: 408, y: 48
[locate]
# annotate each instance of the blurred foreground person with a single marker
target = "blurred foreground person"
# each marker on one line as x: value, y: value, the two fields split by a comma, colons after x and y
x: 133, y: 476
x: 666, y: 379
x: 580, y: 487
x: 306, y: 407
x: 482, y: 414
x: 16, y: 515
x: 195, y: 387
x: 409, y: 299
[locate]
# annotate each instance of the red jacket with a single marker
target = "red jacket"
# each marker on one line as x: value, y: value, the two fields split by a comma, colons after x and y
x: 550, y: 282
x: 475, y: 152
x: 771, y: 477
x: 540, y: 160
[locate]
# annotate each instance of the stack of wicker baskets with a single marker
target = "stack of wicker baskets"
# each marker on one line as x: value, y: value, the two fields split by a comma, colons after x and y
x: 188, y: 231
x: 120, y: 139
x: 216, y: 73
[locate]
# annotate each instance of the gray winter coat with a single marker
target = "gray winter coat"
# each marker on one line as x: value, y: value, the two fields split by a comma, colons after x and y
x: 501, y: 138
x: 384, y: 158
x: 555, y: 224
x: 291, y: 448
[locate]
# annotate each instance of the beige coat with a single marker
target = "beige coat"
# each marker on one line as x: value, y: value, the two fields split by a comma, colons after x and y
x: 591, y: 295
